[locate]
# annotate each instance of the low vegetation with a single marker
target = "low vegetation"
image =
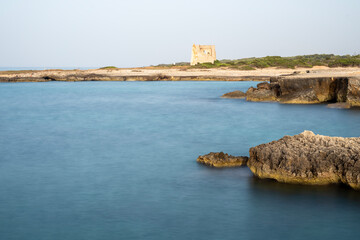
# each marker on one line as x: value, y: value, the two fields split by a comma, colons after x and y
x: 306, y: 61
x: 109, y: 67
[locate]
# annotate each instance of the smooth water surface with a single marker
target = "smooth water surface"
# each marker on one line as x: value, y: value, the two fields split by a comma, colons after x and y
x: 117, y: 160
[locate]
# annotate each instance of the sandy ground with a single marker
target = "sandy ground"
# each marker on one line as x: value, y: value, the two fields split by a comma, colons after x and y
x: 313, y: 72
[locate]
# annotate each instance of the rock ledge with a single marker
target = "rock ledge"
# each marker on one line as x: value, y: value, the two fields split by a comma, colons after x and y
x: 221, y: 159
x: 307, y: 158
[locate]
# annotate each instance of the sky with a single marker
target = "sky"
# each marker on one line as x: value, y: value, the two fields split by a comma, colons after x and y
x: 135, y: 33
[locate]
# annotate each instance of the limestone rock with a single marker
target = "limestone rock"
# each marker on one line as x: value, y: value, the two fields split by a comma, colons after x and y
x: 312, y: 90
x: 307, y: 90
x: 234, y: 94
x: 308, y: 159
x: 353, y: 92
x: 221, y: 159
x: 264, y: 92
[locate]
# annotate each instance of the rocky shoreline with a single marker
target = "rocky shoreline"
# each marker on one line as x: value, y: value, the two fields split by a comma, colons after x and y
x: 104, y: 77
x: 137, y: 74
x: 344, y: 92
x: 172, y: 74
x: 305, y: 158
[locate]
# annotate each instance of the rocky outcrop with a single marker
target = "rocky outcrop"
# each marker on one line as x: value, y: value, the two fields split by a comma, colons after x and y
x: 305, y: 158
x: 222, y: 160
x: 264, y: 92
x: 312, y: 90
x: 307, y: 90
x: 353, y: 92
x: 308, y: 159
x: 234, y: 94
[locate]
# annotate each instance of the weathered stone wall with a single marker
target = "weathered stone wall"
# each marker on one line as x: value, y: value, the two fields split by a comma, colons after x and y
x: 202, y: 54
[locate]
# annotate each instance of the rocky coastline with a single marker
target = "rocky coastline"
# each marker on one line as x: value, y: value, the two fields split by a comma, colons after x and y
x: 137, y: 74
x: 344, y: 91
x: 305, y: 158
x: 172, y: 74
x: 105, y: 77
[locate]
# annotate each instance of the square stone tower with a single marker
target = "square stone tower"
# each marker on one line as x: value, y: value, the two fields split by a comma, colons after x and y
x: 203, y: 54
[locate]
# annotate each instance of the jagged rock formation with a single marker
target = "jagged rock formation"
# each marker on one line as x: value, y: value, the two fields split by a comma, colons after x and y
x: 308, y: 159
x: 312, y: 90
x: 222, y: 160
x: 307, y: 90
x: 264, y: 92
x: 353, y: 91
x: 234, y: 94
x: 305, y: 158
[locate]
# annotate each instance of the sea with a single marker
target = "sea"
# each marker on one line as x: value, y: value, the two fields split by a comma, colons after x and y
x: 117, y: 160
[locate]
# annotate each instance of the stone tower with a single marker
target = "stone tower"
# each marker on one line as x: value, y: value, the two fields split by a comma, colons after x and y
x: 203, y: 54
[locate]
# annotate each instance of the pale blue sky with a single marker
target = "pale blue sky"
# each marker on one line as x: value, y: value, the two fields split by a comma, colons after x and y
x: 130, y: 33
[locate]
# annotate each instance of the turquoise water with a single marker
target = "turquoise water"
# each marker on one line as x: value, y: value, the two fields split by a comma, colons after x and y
x: 116, y: 160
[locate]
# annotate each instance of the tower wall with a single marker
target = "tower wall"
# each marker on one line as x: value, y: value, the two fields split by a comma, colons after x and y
x: 203, y: 54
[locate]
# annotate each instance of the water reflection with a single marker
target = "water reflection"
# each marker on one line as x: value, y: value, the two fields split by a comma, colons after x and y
x: 331, y: 190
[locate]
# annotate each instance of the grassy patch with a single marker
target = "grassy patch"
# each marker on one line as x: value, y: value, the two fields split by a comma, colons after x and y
x: 306, y: 61
x: 109, y: 67
x: 179, y: 64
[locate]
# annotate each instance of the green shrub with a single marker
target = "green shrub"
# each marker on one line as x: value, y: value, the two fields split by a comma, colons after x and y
x: 246, y: 68
x: 109, y: 67
x: 305, y: 61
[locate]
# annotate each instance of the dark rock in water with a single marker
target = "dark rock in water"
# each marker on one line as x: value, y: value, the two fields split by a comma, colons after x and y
x: 264, y: 92
x: 308, y: 159
x: 221, y: 159
x: 234, y: 94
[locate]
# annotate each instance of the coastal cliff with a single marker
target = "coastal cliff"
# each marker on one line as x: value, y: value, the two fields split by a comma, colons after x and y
x: 308, y: 90
x: 312, y: 90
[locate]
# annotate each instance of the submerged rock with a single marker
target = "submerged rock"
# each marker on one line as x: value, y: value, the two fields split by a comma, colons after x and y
x: 221, y: 159
x: 344, y: 105
x: 308, y: 159
x: 234, y: 94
